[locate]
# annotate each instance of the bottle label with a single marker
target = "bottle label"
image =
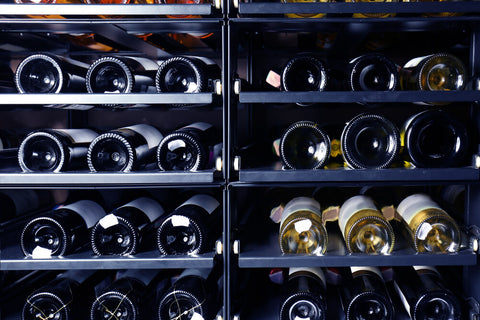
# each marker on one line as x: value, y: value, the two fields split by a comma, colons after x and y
x: 41, y: 253
x: 89, y: 210
x: 316, y: 271
x: 79, y: 135
x: 179, y: 221
x: 415, y: 62
x: 150, y: 207
x: 144, y: 275
x: 359, y: 270
x: 150, y: 133
x: 202, y: 126
x: 108, y: 221
x: 300, y: 204
x: 204, y: 201
x: 351, y: 207
x: 414, y: 204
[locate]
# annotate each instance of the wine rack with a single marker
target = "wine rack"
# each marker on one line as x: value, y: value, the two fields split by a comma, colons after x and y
x: 248, y: 37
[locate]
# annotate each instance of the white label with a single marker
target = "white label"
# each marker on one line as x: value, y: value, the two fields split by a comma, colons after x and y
x: 351, y: 207
x: 402, y: 298
x: 150, y: 207
x: 144, y: 275
x: 41, y: 253
x: 316, y: 271
x: 298, y: 318
x: 150, y: 133
x: 368, y: 269
x: 303, y: 225
x: 179, y: 221
x: 176, y: 144
x: 301, y: 204
x: 414, y: 62
x: 203, y: 126
x: 79, y: 135
x: 89, y: 210
x: 108, y: 221
x: 415, y: 203
x: 204, y: 201
x: 197, y: 316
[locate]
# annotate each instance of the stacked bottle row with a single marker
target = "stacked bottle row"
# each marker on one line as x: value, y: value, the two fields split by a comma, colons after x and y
x: 48, y: 73
x: 123, y: 294
x: 418, y: 292
x: 371, y: 72
x: 190, y: 148
x: 190, y: 227
x: 369, y: 220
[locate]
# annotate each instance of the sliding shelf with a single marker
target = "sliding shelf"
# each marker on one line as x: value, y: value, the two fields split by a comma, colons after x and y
x: 105, y: 98
x: 269, y: 175
x: 113, y: 179
x: 361, y: 97
x: 145, y: 260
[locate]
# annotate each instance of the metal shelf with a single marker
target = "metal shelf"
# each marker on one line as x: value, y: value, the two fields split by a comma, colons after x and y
x: 85, y: 260
x: 269, y: 175
x: 110, y: 179
x: 105, y: 98
x: 361, y: 97
x: 105, y: 9
x: 345, y: 7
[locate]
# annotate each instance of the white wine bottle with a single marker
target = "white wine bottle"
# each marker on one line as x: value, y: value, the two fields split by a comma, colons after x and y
x: 302, y: 229
x: 430, y: 227
x: 364, y: 228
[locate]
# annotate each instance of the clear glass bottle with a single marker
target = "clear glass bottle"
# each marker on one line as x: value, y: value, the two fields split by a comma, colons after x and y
x: 121, y: 75
x: 364, y: 228
x: 55, y: 150
x: 373, y: 72
x: 191, y: 228
x: 193, y: 295
x: 47, y: 73
x: 61, y: 231
x: 301, y: 228
x: 191, y: 148
x: 431, y: 228
x: 121, y: 231
x: 304, y: 145
x: 435, y: 138
x: 305, y: 295
x: 304, y: 73
x: 186, y: 75
x: 370, y: 141
x: 365, y: 296
x: 124, y: 149
x: 435, y: 72
x: 424, y: 294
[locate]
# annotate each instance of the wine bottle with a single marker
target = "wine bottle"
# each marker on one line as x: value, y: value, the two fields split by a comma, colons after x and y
x: 304, y: 73
x: 15, y: 203
x: 62, y: 298
x: 193, y: 295
x: 61, y: 231
x: 7, y: 84
x: 424, y: 294
x: 305, y: 15
x: 431, y: 228
x: 47, y: 73
x: 373, y: 14
x: 305, y: 295
x: 304, y: 145
x: 435, y: 138
x: 364, y: 228
x: 365, y: 296
x: 127, y: 297
x: 186, y: 74
x: 191, y: 148
x: 121, y: 231
x: 372, y: 72
x: 191, y: 228
x: 124, y: 149
x: 55, y: 150
x: 121, y: 75
x: 302, y: 229
x: 370, y: 141
x: 441, y: 71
